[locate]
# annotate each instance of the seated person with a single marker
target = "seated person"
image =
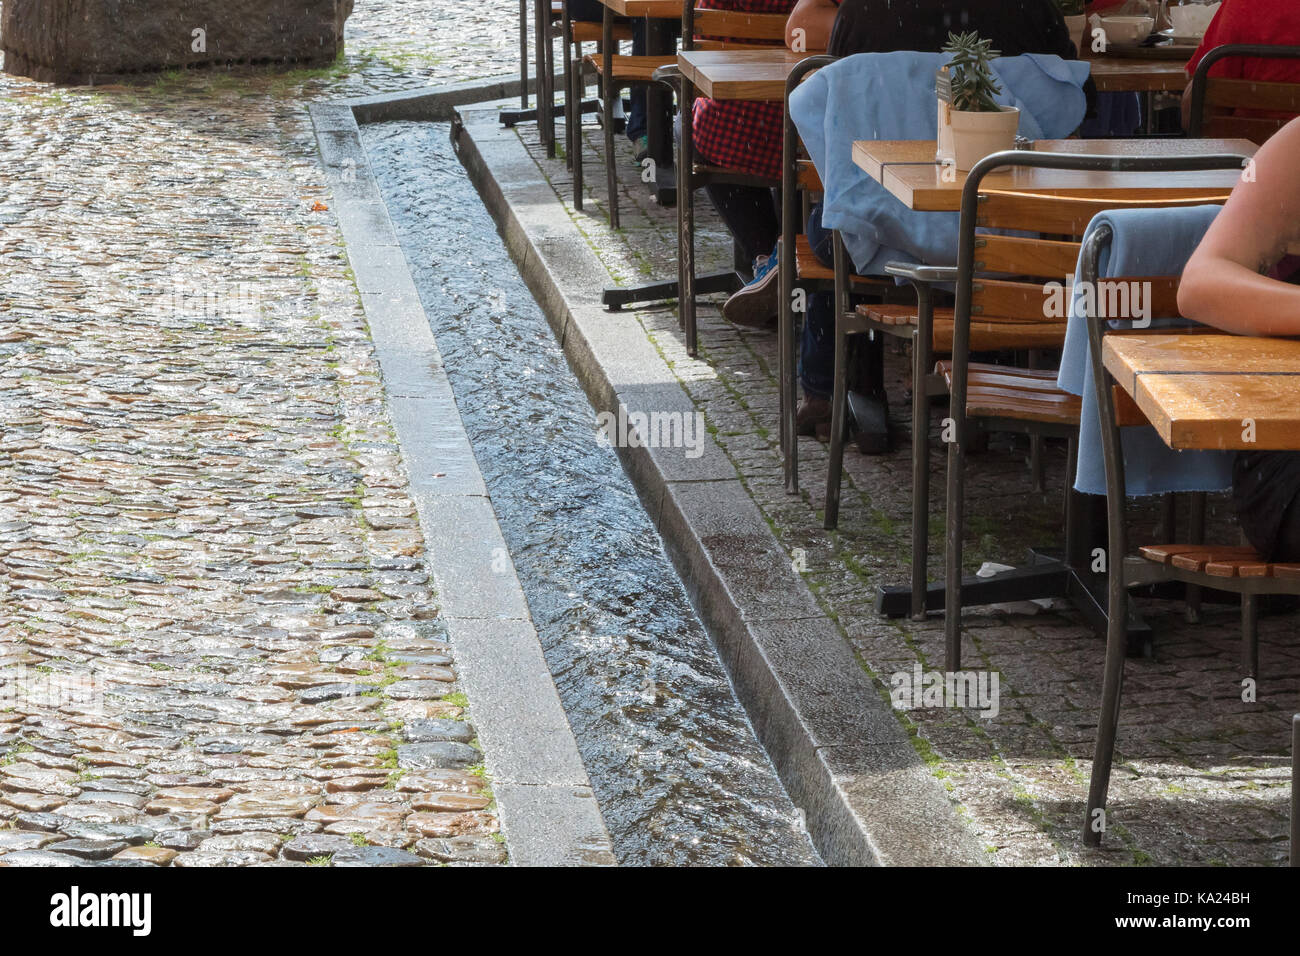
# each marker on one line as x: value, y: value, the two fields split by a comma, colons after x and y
x: 1233, y: 282
x: 862, y: 26
x: 593, y: 11
x: 1270, y: 22
x: 746, y: 136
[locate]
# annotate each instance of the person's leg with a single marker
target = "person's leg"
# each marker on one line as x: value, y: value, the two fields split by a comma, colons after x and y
x: 817, y: 339
x: 817, y: 343
x: 1287, y: 549
x: 590, y: 10
x: 870, y: 416
x: 637, y: 126
x: 751, y: 216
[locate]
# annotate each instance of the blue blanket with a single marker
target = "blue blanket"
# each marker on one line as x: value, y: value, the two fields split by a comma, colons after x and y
x: 891, y: 96
x: 1145, y: 242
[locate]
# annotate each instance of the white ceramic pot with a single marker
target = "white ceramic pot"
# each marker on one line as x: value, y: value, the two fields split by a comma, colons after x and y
x: 976, y: 135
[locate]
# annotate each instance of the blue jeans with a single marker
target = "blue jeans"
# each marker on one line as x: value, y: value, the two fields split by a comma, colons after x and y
x: 593, y: 11
x: 817, y: 342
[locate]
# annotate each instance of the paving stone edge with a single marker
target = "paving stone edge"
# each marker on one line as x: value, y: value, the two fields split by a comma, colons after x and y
x: 843, y: 756
x: 549, y: 815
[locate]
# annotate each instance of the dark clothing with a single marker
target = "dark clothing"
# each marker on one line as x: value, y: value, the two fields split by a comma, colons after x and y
x: 751, y: 213
x: 1266, y: 491
x: 594, y: 11
x: 817, y: 339
x: 1014, y: 26
x: 586, y: 10
x: 884, y: 26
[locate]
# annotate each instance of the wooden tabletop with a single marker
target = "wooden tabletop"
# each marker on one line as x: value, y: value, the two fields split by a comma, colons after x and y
x: 655, y: 9
x: 739, y: 74
x: 1205, y: 391
x: 907, y: 168
x: 1115, y: 74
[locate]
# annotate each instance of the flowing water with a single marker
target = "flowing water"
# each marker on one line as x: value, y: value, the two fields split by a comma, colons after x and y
x: 679, y: 775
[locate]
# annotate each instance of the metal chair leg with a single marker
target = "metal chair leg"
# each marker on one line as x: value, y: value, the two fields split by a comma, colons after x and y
x: 1295, y: 789
x: 840, y: 393
x: 608, y: 92
x: 1250, y: 635
x: 1094, y: 824
x: 686, y: 219
x: 523, y: 54
x: 1196, y: 536
x: 920, y: 460
x: 955, y: 528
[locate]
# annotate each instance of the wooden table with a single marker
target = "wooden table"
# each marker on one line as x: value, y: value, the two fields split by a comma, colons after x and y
x: 909, y: 171
x: 1200, y: 390
x: 1121, y: 74
x: 739, y: 74
x: 655, y: 9
x: 907, y: 168
x: 752, y: 75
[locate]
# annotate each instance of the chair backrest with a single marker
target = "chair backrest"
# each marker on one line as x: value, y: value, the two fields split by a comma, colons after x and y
x: 1245, y: 109
x: 707, y: 29
x: 1019, y: 295
x: 1027, y: 263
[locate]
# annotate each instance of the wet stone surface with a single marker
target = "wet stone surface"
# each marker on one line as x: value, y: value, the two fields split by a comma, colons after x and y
x: 216, y: 620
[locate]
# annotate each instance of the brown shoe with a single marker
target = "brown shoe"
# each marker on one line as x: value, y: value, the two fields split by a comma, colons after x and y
x: 813, y: 417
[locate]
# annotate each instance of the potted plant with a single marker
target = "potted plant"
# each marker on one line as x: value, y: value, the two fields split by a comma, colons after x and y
x: 976, y: 124
x: 1076, y: 20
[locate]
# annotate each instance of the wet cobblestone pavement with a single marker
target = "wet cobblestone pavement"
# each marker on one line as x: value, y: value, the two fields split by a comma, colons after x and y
x: 1201, y: 777
x: 219, y: 644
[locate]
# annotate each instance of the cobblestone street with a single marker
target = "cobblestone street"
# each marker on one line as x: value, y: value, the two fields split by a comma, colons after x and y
x: 220, y: 638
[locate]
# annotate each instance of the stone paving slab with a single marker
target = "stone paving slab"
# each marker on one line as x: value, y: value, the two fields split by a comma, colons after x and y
x: 1201, y: 777
x: 219, y: 634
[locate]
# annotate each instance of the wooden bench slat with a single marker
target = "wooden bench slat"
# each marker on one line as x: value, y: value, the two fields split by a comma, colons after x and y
x: 638, y: 69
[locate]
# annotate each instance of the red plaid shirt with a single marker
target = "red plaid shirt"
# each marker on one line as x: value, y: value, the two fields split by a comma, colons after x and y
x: 739, y: 134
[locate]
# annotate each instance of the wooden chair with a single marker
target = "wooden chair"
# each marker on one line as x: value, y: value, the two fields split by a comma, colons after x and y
x: 1232, y: 568
x: 1217, y: 102
x: 705, y: 30
x: 802, y: 270
x: 1007, y: 314
x: 616, y: 73
x: 573, y: 34
x: 998, y: 398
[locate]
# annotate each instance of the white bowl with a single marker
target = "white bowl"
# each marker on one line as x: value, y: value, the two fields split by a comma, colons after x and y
x: 1126, y: 31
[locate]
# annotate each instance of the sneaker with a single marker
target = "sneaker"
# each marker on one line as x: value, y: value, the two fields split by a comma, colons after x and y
x: 642, y: 146
x: 755, y: 305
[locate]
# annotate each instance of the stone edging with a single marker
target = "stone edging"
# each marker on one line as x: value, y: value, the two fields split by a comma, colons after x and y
x: 548, y: 812
x: 838, y: 748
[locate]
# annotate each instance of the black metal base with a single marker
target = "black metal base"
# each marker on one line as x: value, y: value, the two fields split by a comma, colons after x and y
x: 511, y: 117
x: 1045, y: 576
x: 664, y: 189
x: 615, y: 298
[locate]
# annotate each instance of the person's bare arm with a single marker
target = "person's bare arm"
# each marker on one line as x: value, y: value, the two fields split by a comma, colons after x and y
x: 1223, y: 284
x: 814, y: 18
